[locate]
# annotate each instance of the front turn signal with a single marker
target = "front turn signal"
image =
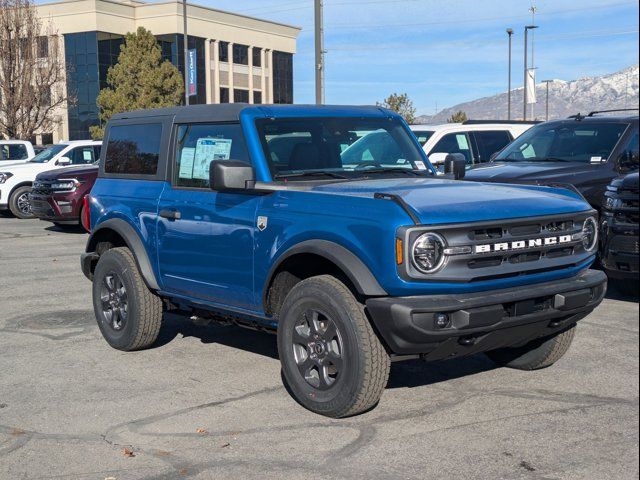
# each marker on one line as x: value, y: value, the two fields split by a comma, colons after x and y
x: 399, y: 251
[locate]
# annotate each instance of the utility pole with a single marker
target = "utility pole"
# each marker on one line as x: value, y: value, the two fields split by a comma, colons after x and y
x: 510, y: 33
x: 547, y: 100
x: 186, y: 48
x: 319, y: 38
x: 526, y: 68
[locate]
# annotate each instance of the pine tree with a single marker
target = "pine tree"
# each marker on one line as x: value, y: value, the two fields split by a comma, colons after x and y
x: 458, y: 117
x: 140, y: 79
x: 401, y: 104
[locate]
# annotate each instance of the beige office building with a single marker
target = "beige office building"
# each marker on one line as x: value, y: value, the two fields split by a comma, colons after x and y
x: 238, y: 58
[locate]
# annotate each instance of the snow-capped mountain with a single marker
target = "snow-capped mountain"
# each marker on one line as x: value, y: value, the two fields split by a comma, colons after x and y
x: 616, y: 90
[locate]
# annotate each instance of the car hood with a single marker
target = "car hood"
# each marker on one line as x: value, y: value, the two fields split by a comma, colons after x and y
x: 27, y: 168
x: 78, y: 171
x: 449, y: 201
x: 527, y: 172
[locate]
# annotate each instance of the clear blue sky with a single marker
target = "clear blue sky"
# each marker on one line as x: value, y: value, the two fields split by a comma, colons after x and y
x: 447, y: 51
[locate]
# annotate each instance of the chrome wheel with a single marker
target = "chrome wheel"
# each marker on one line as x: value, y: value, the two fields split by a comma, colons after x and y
x: 23, y: 204
x: 113, y: 296
x: 318, y: 349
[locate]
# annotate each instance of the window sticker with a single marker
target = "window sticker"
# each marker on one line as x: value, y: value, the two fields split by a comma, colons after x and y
x: 462, y: 142
x: 596, y: 159
x: 208, y: 149
x: 186, y: 162
x: 86, y: 156
x: 420, y: 164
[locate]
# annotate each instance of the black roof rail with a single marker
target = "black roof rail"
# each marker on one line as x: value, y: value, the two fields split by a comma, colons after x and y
x: 481, y: 122
x: 595, y: 112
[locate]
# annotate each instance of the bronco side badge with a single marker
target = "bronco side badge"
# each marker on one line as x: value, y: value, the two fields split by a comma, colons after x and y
x: 262, y: 223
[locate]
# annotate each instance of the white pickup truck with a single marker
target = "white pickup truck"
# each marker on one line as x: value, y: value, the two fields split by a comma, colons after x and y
x: 16, y: 151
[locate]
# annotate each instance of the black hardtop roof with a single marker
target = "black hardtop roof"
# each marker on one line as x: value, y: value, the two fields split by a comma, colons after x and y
x: 598, y: 119
x: 230, y: 112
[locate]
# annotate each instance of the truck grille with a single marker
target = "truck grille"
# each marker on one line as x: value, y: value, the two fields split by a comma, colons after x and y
x: 41, y: 187
x: 624, y: 244
x: 509, y: 249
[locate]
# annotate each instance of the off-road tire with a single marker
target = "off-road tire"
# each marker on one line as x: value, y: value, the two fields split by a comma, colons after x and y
x: 13, y: 203
x: 365, y: 368
x: 537, y: 354
x: 144, y: 308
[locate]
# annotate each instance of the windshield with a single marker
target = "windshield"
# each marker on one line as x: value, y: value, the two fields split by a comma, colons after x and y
x: 47, y: 154
x: 338, y: 147
x: 588, y: 142
x: 423, y: 136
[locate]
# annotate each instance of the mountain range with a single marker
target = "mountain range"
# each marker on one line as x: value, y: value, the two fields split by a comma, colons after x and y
x: 615, y: 90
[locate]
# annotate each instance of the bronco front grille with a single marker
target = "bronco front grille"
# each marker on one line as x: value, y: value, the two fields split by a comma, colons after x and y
x: 502, y: 250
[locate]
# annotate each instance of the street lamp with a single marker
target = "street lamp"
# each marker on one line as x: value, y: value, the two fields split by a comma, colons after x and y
x: 547, y: 100
x: 186, y: 47
x: 526, y: 33
x: 510, y: 33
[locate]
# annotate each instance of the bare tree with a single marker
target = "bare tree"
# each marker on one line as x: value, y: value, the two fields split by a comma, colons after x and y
x: 31, y: 71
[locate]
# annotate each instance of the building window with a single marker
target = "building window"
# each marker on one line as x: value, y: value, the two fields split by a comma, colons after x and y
x: 240, y: 96
x: 224, y: 95
x: 257, y: 58
x: 282, y: 77
x: 240, y: 54
x: 42, y: 47
x: 257, y: 96
x: 47, y: 138
x: 223, y: 51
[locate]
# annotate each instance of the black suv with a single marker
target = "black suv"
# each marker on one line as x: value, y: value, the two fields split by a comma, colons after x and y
x: 585, y: 152
x: 619, y: 226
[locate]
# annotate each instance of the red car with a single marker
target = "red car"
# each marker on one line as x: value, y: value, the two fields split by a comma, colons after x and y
x: 58, y: 195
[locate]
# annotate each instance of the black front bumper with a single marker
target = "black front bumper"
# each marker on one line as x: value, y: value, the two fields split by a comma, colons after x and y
x: 483, y: 321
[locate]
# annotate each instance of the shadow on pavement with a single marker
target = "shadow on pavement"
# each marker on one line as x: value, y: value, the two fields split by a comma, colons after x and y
x: 404, y: 374
x: 66, y: 229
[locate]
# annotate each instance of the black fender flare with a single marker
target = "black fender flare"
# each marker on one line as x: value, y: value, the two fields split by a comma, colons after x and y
x: 357, y: 272
x: 133, y: 241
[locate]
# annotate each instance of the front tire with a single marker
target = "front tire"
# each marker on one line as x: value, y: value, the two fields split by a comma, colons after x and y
x: 537, y: 354
x: 128, y: 313
x: 332, y: 361
x: 19, y: 203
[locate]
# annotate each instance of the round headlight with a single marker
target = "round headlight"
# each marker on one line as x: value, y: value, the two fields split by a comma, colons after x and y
x: 590, y: 234
x: 427, y: 253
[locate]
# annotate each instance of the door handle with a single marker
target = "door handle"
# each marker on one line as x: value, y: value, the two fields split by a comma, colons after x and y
x: 170, y: 214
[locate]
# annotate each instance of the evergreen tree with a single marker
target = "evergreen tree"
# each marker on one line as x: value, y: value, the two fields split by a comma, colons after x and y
x: 140, y: 80
x: 401, y: 104
x: 458, y: 117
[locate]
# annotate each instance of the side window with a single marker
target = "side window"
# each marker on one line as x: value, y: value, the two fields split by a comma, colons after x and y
x: 197, y: 145
x: 96, y: 152
x: 630, y: 157
x: 81, y: 155
x: 490, y: 142
x: 133, y: 149
x: 454, y: 143
x: 18, y: 152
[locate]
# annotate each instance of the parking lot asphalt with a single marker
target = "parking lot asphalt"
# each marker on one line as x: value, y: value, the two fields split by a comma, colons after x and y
x: 207, y: 401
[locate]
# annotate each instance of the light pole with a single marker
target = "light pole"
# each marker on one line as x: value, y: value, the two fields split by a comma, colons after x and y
x: 547, y: 100
x: 526, y: 34
x: 319, y: 50
x: 510, y: 33
x: 186, y: 61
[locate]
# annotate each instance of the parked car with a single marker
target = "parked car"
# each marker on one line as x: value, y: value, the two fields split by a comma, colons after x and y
x: 619, y: 226
x: 16, y: 180
x: 15, y: 152
x: 57, y: 195
x: 352, y: 261
x: 477, y: 140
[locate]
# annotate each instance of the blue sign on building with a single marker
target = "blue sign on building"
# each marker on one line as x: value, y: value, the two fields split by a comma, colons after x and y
x: 192, y: 72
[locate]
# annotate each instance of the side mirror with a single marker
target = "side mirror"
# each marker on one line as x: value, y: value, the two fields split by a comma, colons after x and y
x: 231, y: 175
x: 629, y: 161
x: 455, y: 164
x: 63, y: 161
x: 437, y: 158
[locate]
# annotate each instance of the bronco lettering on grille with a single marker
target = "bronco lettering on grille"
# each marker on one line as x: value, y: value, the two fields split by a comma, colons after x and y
x: 522, y: 244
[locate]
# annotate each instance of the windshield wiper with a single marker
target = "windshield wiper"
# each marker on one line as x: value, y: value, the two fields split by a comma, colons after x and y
x: 317, y: 173
x: 406, y: 171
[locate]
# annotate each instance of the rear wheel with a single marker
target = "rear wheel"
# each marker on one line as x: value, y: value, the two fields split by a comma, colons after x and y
x: 332, y: 361
x: 19, y: 203
x: 128, y: 313
x: 537, y: 354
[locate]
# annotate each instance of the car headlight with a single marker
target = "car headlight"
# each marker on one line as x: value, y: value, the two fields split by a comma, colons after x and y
x: 427, y: 253
x: 64, y: 185
x: 4, y: 176
x: 612, y: 203
x: 590, y: 234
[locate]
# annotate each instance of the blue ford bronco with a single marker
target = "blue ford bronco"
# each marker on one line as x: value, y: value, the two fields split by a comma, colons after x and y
x: 328, y: 226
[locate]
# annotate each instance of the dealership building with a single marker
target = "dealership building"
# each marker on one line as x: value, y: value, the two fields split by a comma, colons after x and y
x: 237, y: 58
